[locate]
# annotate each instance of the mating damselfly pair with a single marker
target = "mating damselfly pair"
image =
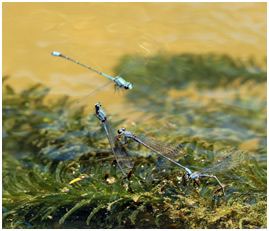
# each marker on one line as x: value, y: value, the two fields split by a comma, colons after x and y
x: 117, y: 143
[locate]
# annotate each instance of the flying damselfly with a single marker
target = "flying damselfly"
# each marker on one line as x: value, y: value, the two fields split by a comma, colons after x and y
x: 118, y: 80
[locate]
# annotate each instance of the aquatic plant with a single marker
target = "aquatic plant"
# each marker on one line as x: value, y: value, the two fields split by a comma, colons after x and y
x: 46, y: 144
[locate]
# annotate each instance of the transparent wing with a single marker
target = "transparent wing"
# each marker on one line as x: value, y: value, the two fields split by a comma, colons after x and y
x: 125, y: 162
x: 94, y: 91
x: 224, y: 163
x: 129, y: 68
x: 170, y: 151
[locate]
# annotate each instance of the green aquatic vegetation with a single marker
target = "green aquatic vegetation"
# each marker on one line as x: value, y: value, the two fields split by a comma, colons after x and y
x: 48, y: 143
x: 40, y: 195
x: 213, y: 97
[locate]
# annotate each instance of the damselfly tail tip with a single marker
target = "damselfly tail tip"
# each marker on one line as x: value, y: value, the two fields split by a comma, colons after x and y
x: 56, y: 53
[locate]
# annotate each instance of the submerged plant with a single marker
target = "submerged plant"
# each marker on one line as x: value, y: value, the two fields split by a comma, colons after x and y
x: 48, y: 144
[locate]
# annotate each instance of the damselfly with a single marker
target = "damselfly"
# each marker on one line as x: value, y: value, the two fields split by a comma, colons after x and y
x: 119, y: 81
x: 122, y: 158
x: 156, y: 146
x: 224, y: 164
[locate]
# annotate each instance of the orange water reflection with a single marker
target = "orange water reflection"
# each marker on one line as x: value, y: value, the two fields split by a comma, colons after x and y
x: 98, y: 34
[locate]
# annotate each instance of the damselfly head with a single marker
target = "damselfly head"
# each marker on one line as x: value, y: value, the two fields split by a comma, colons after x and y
x: 128, y: 86
x: 121, y: 131
x: 100, y: 114
x: 193, y: 176
x: 97, y: 105
x: 121, y: 83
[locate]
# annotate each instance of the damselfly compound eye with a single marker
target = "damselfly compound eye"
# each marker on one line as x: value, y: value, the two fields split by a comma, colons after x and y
x: 130, y: 86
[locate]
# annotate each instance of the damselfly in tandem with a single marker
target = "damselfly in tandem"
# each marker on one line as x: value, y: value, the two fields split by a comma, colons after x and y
x: 156, y: 146
x: 222, y: 164
x: 225, y: 163
x: 122, y: 158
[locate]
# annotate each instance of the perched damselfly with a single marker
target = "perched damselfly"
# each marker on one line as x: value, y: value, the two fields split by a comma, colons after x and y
x: 221, y: 165
x: 119, y: 81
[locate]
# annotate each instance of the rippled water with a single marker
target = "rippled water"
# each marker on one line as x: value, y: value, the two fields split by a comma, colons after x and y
x: 98, y: 34
x: 195, y: 84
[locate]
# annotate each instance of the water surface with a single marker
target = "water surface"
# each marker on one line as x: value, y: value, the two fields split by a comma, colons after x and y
x: 199, y: 78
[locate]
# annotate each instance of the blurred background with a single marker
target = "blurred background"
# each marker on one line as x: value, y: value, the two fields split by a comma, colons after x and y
x: 98, y: 34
